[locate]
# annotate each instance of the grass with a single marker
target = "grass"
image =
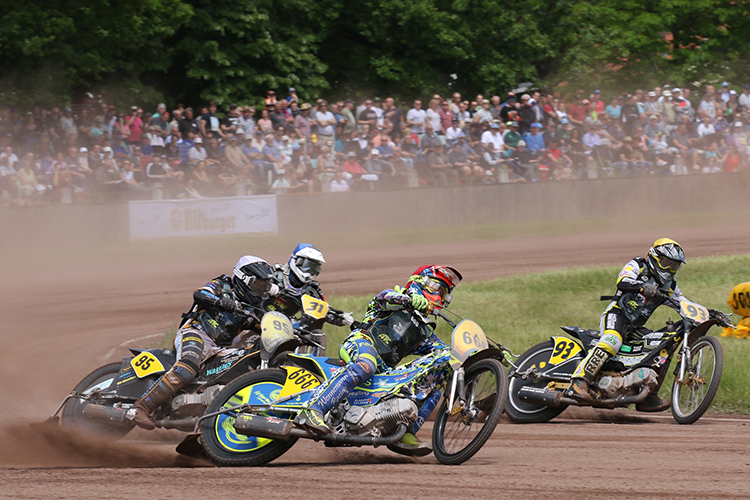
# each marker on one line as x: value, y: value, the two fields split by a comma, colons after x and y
x: 522, y: 310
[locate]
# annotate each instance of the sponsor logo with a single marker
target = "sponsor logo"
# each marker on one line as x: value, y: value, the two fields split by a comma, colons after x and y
x: 218, y: 369
x: 194, y: 219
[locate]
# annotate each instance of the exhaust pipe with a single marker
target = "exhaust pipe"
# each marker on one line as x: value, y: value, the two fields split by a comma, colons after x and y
x: 104, y: 413
x: 540, y: 396
x: 276, y: 428
x: 182, y: 424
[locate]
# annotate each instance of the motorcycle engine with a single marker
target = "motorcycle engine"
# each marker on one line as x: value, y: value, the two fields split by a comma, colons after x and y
x: 381, y: 419
x: 194, y: 405
x: 615, y: 385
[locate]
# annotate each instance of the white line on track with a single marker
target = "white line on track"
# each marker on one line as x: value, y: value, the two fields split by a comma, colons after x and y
x: 112, y: 351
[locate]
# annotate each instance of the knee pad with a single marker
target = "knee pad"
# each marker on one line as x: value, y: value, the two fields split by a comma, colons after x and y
x: 363, y: 369
x: 611, y: 341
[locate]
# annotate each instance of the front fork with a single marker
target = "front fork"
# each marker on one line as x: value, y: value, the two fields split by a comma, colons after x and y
x: 686, y: 363
x: 457, y: 385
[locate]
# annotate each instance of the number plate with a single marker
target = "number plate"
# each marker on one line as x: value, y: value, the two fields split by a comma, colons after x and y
x: 297, y: 380
x: 313, y: 307
x: 468, y: 338
x: 696, y: 312
x: 146, y: 364
x: 564, y: 349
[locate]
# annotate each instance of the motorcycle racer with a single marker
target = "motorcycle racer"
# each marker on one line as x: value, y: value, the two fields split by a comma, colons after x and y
x: 297, y: 278
x: 212, y: 326
x: 642, y: 286
x: 365, y: 355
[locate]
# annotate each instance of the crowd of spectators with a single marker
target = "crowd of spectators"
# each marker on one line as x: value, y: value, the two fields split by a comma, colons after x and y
x: 94, y: 151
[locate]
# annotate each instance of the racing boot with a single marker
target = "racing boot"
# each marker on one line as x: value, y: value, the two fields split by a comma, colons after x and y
x: 652, y: 404
x: 411, y: 446
x: 312, y: 421
x: 181, y: 374
x: 585, y: 373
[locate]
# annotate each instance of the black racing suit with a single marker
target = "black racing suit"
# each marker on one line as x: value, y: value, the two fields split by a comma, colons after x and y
x: 208, y: 329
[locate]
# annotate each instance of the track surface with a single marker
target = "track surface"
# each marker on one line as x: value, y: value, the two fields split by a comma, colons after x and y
x: 66, y: 314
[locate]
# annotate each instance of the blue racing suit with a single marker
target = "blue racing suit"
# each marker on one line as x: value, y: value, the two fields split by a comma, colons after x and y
x: 361, y: 355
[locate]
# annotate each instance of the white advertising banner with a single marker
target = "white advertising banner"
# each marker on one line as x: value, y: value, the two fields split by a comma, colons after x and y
x: 203, y: 217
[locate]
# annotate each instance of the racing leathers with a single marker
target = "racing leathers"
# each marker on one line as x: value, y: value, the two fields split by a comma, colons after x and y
x: 360, y: 351
x: 289, y: 299
x: 638, y: 295
x: 212, y: 326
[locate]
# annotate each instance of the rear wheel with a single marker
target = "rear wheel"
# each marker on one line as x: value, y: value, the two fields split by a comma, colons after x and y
x: 72, y: 415
x: 522, y: 412
x: 219, y: 438
x: 692, y: 397
x: 457, y: 436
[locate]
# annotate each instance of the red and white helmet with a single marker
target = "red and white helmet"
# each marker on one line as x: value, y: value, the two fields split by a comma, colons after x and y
x: 435, y: 282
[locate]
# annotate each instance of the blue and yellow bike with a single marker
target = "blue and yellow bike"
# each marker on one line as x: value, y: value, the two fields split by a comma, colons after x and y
x: 250, y: 421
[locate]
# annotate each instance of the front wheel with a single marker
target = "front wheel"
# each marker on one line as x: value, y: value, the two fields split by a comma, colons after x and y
x: 522, y: 412
x: 460, y: 432
x: 692, y: 397
x: 72, y: 415
x: 218, y: 436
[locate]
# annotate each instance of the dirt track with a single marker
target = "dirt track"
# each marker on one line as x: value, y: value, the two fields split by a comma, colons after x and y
x: 74, y: 313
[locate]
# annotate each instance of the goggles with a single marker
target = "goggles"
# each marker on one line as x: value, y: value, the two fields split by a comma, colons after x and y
x: 308, y: 266
x: 669, y: 264
x: 260, y: 286
x: 435, y: 287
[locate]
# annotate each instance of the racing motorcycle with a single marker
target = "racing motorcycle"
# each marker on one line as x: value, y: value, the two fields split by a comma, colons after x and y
x: 103, y: 402
x: 543, y: 372
x: 250, y: 421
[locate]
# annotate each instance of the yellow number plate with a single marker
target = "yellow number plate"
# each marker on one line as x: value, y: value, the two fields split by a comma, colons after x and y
x: 297, y: 380
x: 564, y: 349
x: 468, y: 337
x: 694, y: 311
x: 313, y: 307
x: 146, y: 364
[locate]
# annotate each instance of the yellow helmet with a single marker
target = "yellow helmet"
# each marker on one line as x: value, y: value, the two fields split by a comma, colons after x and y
x: 665, y: 258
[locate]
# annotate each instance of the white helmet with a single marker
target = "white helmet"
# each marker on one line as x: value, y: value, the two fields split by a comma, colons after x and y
x: 305, y: 264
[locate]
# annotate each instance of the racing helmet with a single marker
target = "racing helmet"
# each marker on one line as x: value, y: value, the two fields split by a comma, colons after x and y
x: 435, y: 283
x: 252, y: 278
x: 304, y: 264
x: 665, y: 258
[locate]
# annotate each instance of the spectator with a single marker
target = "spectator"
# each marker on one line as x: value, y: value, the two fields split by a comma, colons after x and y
x: 415, y: 118
x: 133, y: 122
x: 338, y: 184
x: 270, y: 99
x: 523, y: 164
x: 492, y: 136
x: 432, y: 115
x: 210, y: 124
x: 577, y: 112
x: 614, y: 109
x: 326, y: 123
x: 534, y: 140
x: 187, y: 125
x: 367, y: 116
x: 483, y: 115
x: 708, y: 106
x: 197, y: 152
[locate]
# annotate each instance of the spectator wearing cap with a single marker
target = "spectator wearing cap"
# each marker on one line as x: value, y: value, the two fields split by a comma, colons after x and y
x: 492, y: 136
x: 197, y: 152
x: 466, y: 147
x: 355, y: 172
x: 524, y: 164
x: 526, y: 114
x: 596, y: 101
x: 510, y: 138
x: 451, y: 133
x: 462, y: 165
x: 577, y: 112
x: 270, y: 100
x: 302, y: 121
x: 534, y: 140
x: 292, y: 97
x: 650, y: 105
x: 733, y: 104
x: 654, y: 126
x: 724, y: 95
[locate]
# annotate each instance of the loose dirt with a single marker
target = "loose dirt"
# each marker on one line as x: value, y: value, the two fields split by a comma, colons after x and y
x: 64, y: 315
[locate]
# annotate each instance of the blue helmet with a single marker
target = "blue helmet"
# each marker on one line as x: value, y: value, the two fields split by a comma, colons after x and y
x: 304, y: 264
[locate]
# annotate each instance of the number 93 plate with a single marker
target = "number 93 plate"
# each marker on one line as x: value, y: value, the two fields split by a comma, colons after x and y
x: 696, y: 312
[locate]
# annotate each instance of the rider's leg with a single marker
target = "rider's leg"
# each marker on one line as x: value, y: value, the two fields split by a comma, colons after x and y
x: 362, y: 361
x: 609, y: 343
x: 410, y: 444
x: 190, y: 350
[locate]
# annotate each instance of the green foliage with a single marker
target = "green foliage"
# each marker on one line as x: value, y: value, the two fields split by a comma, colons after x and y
x: 522, y: 310
x: 232, y: 50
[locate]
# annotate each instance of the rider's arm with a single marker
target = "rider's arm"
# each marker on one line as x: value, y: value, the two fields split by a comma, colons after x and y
x: 209, y: 295
x: 389, y: 300
x: 629, y: 278
x: 430, y: 345
x: 675, y: 298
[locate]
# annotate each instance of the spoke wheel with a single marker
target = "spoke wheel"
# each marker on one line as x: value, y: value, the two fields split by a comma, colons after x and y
x: 72, y: 415
x: 692, y: 397
x: 522, y: 412
x: 461, y: 432
x: 220, y: 440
